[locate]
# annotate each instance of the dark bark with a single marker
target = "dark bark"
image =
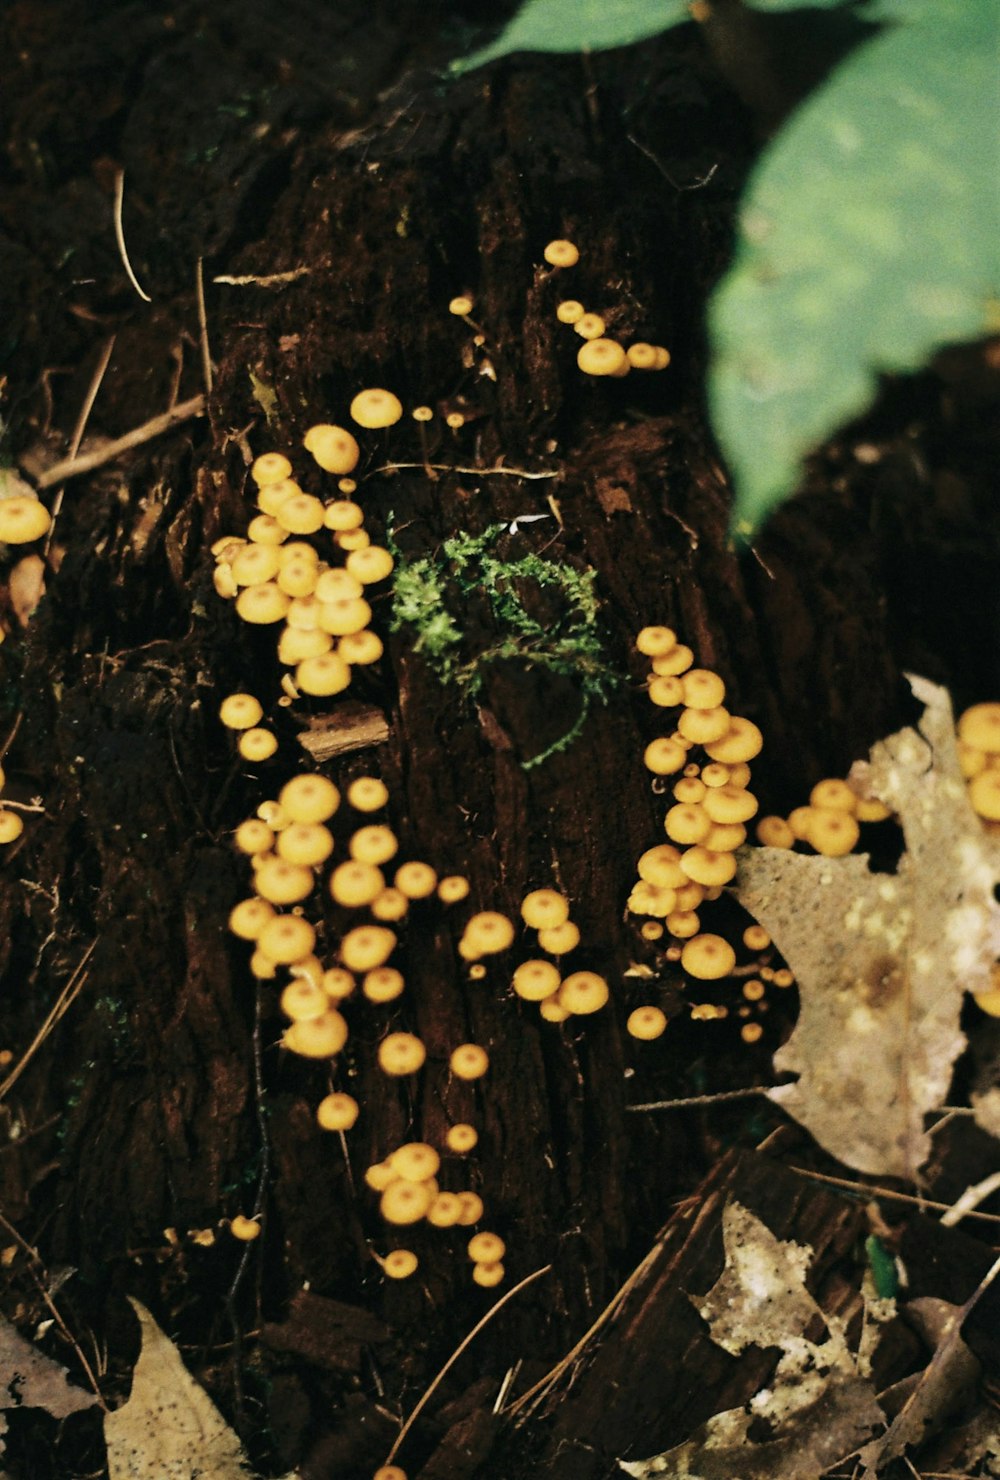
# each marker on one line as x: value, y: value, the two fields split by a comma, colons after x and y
x: 320, y: 137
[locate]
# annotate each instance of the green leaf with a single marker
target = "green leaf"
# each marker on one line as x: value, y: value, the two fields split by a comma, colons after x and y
x: 868, y: 238
x: 578, y: 25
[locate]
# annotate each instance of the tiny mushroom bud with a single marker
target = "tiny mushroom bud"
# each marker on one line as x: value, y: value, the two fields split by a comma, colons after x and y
x: 376, y: 408
x: 461, y: 305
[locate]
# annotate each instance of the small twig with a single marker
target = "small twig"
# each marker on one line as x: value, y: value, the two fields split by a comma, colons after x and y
x: 729, y: 1094
x: 270, y: 280
x: 265, y: 1170
x: 422, y: 1402
x: 81, y: 426
x: 58, y: 1010
x: 35, y: 1259
x: 970, y: 1200
x: 398, y: 467
x: 73, y: 467
x: 206, y: 357
x: 545, y: 1383
x: 862, y: 1189
x: 120, y: 235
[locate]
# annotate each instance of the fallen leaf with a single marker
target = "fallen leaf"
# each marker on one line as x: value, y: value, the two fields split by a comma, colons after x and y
x: 883, y: 961
x: 26, y: 584
x: 946, y: 1382
x: 28, y: 1379
x: 817, y: 1408
x: 169, y: 1429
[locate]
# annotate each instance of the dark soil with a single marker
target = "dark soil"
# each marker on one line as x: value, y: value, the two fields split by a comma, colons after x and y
x: 321, y: 141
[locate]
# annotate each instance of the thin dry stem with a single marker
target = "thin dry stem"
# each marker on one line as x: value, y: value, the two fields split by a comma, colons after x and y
x: 58, y: 1009
x: 120, y: 235
x: 871, y: 1191
x: 81, y: 426
x: 423, y: 1401
x: 73, y: 467
x: 206, y: 354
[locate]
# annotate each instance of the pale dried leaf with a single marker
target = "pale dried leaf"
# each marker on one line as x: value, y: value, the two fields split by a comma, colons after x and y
x: 28, y: 1379
x: 169, y: 1429
x: 882, y: 961
x: 817, y: 1408
x: 26, y: 584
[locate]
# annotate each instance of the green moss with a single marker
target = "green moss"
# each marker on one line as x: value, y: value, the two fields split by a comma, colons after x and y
x: 430, y: 595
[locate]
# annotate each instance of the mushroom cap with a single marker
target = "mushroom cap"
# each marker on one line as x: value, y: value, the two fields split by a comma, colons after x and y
x: 559, y: 940
x: 270, y: 467
x: 257, y: 745
x: 240, y: 711
x: 367, y: 946
x: 646, y: 1023
x: 561, y: 253
x: 742, y: 742
x: 416, y: 1161
x: 536, y: 980
x: 417, y: 880
x: 405, y: 1202
x: 375, y: 843
x: 600, y: 356
x: 541, y: 909
x: 488, y: 932
x: 337, y: 1112
x: 23, y: 519
x: 401, y: 1053
x: 399, y: 1265
x: 655, y: 642
x: 262, y: 603
x: 318, y: 1038
x: 708, y: 957
x: 355, y: 884
x: 486, y: 1248
x: 461, y: 1137
x: 281, y: 882
x: 248, y: 918
x: 383, y: 984
x: 374, y: 408
x: 834, y: 832
x: 469, y: 1061
x: 287, y: 938
x: 978, y: 726
x: 583, y: 992
x: 333, y: 447
x: 488, y: 1275
x: 367, y: 793
x: 310, y: 797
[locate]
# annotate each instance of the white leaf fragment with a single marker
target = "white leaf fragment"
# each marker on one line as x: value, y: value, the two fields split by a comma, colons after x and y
x: 883, y: 962
x: 817, y: 1408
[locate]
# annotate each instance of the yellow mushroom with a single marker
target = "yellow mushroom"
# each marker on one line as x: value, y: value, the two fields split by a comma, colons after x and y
x: 708, y: 957
x: 337, y: 1112
x: 375, y: 408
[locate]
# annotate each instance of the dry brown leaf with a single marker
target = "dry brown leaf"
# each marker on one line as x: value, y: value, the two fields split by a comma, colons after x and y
x: 30, y: 1380
x: 817, y: 1409
x: 169, y: 1429
x: 943, y: 1386
x: 882, y: 961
